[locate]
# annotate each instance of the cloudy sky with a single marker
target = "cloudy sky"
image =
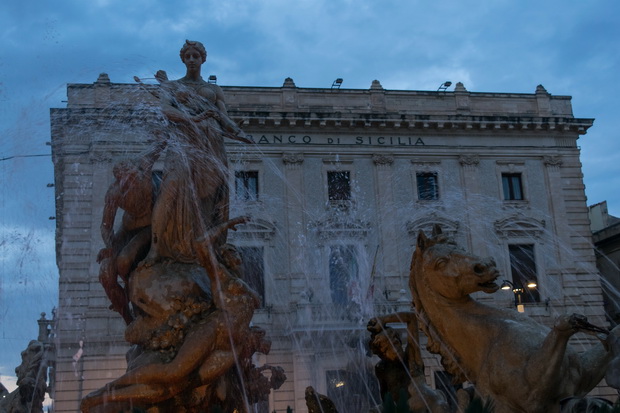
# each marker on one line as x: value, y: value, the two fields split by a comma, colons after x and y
x: 569, y: 46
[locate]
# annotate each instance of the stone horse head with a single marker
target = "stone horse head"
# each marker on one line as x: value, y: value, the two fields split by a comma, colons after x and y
x: 442, y: 268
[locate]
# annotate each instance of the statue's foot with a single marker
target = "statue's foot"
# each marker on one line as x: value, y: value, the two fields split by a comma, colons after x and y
x: 149, y: 261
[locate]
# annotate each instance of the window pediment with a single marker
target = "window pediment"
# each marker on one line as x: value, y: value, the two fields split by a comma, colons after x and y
x: 519, y: 226
x: 255, y: 229
x: 426, y: 223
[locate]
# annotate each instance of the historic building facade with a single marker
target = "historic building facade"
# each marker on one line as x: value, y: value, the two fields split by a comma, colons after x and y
x: 338, y: 185
x: 606, y: 238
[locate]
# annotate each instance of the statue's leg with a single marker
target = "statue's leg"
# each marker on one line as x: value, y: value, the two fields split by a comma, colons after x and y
x: 216, y: 365
x: 164, y: 209
x: 136, y: 393
x: 135, y: 248
x: 118, y: 297
x: 594, y: 363
x: 545, y: 366
x: 197, y: 346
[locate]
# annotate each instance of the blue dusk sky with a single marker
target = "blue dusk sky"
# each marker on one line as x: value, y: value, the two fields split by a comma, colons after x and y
x: 570, y: 47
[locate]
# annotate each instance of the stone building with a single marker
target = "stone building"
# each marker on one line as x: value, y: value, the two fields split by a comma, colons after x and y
x: 606, y: 238
x: 338, y: 185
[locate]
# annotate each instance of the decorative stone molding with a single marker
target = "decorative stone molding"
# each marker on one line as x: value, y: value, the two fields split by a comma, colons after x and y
x: 552, y: 160
x: 376, y: 85
x: 100, y: 157
x: 426, y: 162
x: 522, y: 204
x: 448, y: 226
x: 341, y: 228
x: 258, y: 229
x: 244, y: 160
x: 460, y: 87
x: 338, y: 160
x: 518, y: 225
x: 341, y: 206
x: 103, y: 78
x: 292, y: 159
x: 511, y: 165
x: 469, y: 160
x: 288, y: 82
x: 385, y: 160
x: 464, y: 121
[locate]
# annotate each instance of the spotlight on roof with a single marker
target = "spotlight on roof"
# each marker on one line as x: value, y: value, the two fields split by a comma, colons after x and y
x: 444, y: 86
x: 337, y: 83
x: 212, y: 79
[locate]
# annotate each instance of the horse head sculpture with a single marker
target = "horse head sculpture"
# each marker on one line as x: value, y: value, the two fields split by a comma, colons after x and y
x: 450, y: 271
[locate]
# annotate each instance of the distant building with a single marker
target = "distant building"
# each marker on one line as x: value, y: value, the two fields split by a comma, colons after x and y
x: 606, y: 237
x: 338, y: 185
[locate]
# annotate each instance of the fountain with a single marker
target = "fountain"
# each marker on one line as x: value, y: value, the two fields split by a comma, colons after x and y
x: 157, y: 152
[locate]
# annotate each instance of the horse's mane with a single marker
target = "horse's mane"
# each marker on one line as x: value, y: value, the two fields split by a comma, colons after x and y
x: 450, y: 360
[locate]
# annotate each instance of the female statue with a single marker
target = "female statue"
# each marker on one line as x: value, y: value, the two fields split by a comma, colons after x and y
x: 194, y: 190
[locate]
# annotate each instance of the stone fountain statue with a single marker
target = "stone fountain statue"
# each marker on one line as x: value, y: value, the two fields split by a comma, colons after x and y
x: 31, y: 382
x: 519, y: 364
x: 401, y: 370
x: 187, y: 308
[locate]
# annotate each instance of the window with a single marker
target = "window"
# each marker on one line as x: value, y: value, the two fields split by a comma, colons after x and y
x: 513, y: 190
x: 254, y: 269
x: 342, y: 274
x: 427, y: 186
x: 246, y: 185
x: 523, y: 269
x: 339, y: 185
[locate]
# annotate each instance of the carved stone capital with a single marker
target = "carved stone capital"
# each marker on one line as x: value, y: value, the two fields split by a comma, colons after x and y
x: 469, y: 160
x: 292, y: 159
x: 552, y: 160
x: 380, y: 159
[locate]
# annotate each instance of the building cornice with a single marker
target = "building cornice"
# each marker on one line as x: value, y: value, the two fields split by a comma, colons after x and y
x: 396, y: 122
x: 375, y: 108
x: 323, y: 121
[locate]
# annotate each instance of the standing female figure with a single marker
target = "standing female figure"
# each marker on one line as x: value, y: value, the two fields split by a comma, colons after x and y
x: 194, y: 190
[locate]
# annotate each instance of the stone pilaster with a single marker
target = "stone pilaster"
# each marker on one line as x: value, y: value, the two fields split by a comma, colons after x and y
x: 295, y: 206
x: 470, y: 184
x: 384, y: 178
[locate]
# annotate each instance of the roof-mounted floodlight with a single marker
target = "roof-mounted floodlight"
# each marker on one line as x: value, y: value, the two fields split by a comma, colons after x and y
x: 337, y: 83
x: 444, y: 86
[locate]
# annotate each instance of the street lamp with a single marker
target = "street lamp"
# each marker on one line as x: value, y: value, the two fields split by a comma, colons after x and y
x: 518, y: 292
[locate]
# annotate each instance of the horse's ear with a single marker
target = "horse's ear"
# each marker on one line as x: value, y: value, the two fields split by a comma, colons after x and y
x: 437, y: 230
x: 422, y: 240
